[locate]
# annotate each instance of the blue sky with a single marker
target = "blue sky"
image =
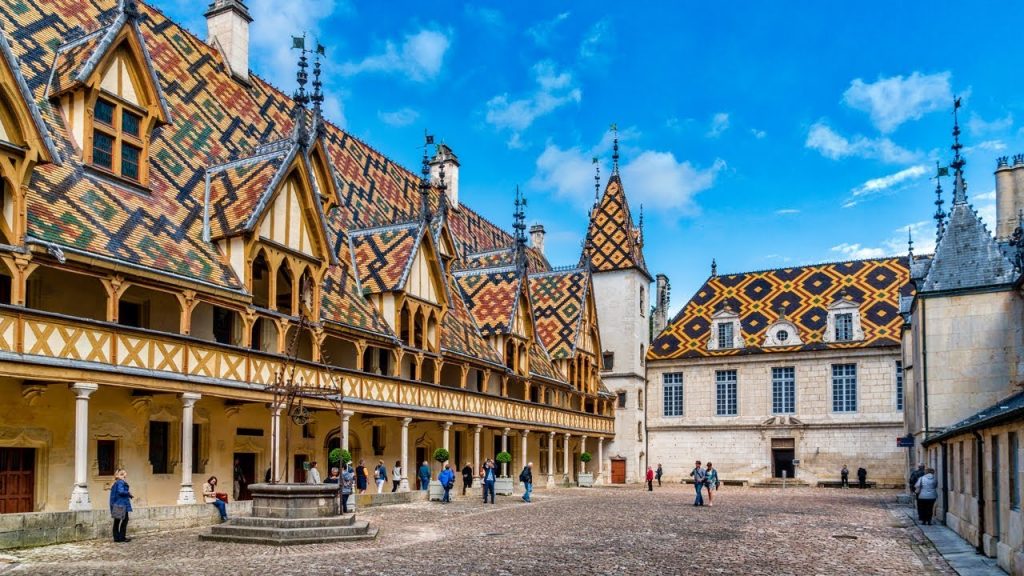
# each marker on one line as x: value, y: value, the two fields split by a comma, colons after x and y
x: 760, y: 135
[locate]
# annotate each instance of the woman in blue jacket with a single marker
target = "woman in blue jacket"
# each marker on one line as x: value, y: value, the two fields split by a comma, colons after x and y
x: 120, y: 505
x: 447, y: 480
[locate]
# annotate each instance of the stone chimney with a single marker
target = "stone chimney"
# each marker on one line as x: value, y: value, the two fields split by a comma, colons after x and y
x: 661, y: 303
x: 537, y: 237
x: 444, y: 155
x: 1009, y: 194
x: 227, y: 25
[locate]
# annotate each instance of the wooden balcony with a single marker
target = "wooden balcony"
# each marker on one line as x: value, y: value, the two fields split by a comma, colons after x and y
x: 42, y: 345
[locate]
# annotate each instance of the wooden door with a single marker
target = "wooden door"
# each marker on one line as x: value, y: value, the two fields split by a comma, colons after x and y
x: 618, y: 471
x: 17, y: 480
x: 247, y: 466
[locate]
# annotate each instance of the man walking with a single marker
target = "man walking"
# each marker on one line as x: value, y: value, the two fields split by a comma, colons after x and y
x: 862, y: 478
x: 489, y: 478
x: 844, y: 477
x: 699, y: 476
x: 526, y: 477
x: 657, y: 475
x: 447, y: 480
x: 467, y: 478
x: 650, y: 479
x: 424, y: 476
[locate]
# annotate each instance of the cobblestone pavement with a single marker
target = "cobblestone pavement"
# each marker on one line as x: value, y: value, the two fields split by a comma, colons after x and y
x: 621, y: 530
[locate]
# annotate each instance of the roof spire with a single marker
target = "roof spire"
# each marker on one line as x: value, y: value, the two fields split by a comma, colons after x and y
x: 301, y: 77
x: 615, y: 149
x: 1017, y: 241
x: 959, y: 186
x: 714, y: 268
x: 640, y: 226
x: 910, y: 244
x: 318, y: 95
x: 940, y: 216
x: 597, y: 179
x: 519, y: 226
x: 428, y: 139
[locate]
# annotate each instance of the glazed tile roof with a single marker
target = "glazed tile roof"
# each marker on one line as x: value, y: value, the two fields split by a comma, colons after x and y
x: 460, y: 333
x: 341, y: 300
x: 7, y: 53
x: 540, y: 364
x: 492, y: 295
x: 559, y: 299
x: 383, y: 255
x: 505, y: 256
x: 614, y: 241
x: 805, y: 293
x: 236, y: 188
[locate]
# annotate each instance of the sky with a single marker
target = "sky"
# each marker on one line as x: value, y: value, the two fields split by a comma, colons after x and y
x: 760, y: 135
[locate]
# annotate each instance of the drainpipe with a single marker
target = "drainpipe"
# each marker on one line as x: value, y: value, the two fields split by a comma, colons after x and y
x: 980, y: 486
x: 924, y: 366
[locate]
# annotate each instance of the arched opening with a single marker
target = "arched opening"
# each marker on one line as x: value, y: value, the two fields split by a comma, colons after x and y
x: 6, y: 199
x: 427, y: 370
x: 408, y: 367
x: 142, y: 307
x: 216, y: 324
x: 263, y: 335
x: 306, y: 292
x: 510, y: 354
x: 418, y: 328
x: 339, y: 352
x: 299, y: 342
x: 48, y: 289
x: 283, y: 298
x: 405, y: 325
x: 261, y: 281
x: 451, y: 375
x: 432, y: 332
x: 334, y: 441
x: 523, y: 355
x: 377, y: 360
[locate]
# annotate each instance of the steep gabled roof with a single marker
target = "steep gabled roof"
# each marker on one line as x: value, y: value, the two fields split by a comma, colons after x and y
x: 504, y: 256
x: 559, y: 299
x: 805, y: 293
x: 492, y: 294
x: 341, y: 300
x: 967, y: 256
x: 234, y: 190
x: 614, y: 241
x: 50, y: 151
x: 382, y: 256
x: 461, y: 335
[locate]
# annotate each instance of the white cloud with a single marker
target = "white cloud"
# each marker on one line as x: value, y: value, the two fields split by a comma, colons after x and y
x: 419, y: 58
x: 542, y: 31
x: 980, y: 127
x: 858, y: 252
x: 787, y: 211
x: 554, y: 90
x: 569, y: 173
x: 719, y: 124
x: 986, y: 146
x: 400, y: 117
x: 759, y: 134
x: 897, y: 99
x: 987, y: 196
x: 833, y: 145
x: 922, y: 232
x: 596, y: 39
x: 985, y: 205
x: 883, y: 184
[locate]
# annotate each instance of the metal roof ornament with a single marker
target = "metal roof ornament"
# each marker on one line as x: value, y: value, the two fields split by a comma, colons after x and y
x: 959, y: 186
x: 428, y: 139
x: 318, y: 95
x: 597, y: 179
x: 910, y: 244
x: 615, y: 149
x: 940, y: 215
x: 519, y: 227
x: 714, y: 268
x: 1017, y: 241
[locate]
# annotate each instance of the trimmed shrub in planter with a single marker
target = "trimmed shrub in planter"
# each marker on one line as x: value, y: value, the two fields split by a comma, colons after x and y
x: 441, y: 455
x: 503, y: 485
x: 337, y: 455
x: 585, y: 457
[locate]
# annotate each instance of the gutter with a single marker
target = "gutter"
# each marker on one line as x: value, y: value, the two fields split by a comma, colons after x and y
x: 924, y: 365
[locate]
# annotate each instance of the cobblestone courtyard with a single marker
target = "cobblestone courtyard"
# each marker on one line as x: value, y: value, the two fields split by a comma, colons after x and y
x: 599, y: 531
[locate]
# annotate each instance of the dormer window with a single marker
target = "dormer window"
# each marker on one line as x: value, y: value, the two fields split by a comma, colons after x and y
x: 117, y: 144
x: 782, y: 332
x: 725, y: 335
x: 725, y: 330
x: 844, y: 327
x: 843, y: 321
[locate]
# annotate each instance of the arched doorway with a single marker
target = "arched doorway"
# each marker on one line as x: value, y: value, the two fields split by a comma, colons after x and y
x: 334, y: 441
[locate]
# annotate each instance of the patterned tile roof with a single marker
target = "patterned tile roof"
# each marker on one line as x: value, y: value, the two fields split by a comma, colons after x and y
x: 492, y: 297
x: 506, y: 256
x: 382, y: 255
x: 341, y: 300
x: 7, y: 53
x: 540, y: 364
x: 236, y: 188
x: 805, y: 293
x: 559, y: 299
x: 460, y: 333
x: 614, y: 241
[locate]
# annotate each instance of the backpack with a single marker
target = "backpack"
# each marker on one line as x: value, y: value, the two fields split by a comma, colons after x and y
x: 522, y: 475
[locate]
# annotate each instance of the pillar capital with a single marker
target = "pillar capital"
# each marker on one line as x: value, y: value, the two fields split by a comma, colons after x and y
x: 346, y: 414
x: 505, y: 431
x: 188, y: 399
x: 584, y: 437
x: 525, y: 433
x: 406, y: 422
x: 552, y: 434
x: 567, y: 436
x: 84, y: 389
x: 446, y: 426
x: 479, y: 428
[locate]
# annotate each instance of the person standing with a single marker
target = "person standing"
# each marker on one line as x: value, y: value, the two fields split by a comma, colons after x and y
x: 396, y: 476
x: 120, y: 505
x: 915, y: 476
x: 526, y: 477
x: 698, y: 476
x: 862, y: 478
x: 380, y: 476
x: 447, y: 480
x: 657, y: 475
x: 926, y: 489
x: 240, y: 481
x: 489, y: 477
x: 313, y: 476
x: 650, y: 479
x: 361, y: 477
x: 467, y: 478
x: 711, y: 482
x: 210, y: 496
x: 424, y: 476
x: 348, y: 478
x: 844, y: 477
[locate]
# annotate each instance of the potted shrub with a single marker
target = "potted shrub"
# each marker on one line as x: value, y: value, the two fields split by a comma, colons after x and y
x: 503, y: 484
x: 435, y: 491
x: 339, y: 455
x: 585, y: 479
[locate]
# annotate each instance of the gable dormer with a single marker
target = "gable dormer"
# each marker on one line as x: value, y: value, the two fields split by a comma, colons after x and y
x: 110, y: 99
x: 843, y: 323
x: 725, y: 329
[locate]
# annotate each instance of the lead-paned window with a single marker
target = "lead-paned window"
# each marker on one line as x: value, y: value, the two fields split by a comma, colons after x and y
x: 844, y: 327
x: 672, y: 384
x: 1013, y: 462
x: 844, y: 387
x: 725, y: 335
x: 899, y: 385
x: 725, y: 393
x: 784, y: 390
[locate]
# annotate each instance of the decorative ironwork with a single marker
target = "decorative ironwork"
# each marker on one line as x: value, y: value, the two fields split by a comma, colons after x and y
x: 519, y: 229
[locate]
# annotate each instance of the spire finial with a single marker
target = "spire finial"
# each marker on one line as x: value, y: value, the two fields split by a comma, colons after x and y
x: 1017, y: 241
x: 940, y: 216
x: 519, y: 226
x: 301, y: 77
x: 428, y: 139
x: 318, y: 95
x: 640, y: 225
x: 959, y: 186
x: 597, y: 179
x: 615, y: 149
x: 714, y: 268
x: 910, y: 243
x: 130, y: 8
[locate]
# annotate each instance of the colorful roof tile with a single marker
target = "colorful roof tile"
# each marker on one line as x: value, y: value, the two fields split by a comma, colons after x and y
x: 460, y: 333
x: 540, y: 364
x: 805, y: 294
x: 559, y: 299
x: 235, y: 189
x: 492, y: 297
x: 341, y: 300
x: 382, y: 255
x: 613, y: 241
x: 506, y: 256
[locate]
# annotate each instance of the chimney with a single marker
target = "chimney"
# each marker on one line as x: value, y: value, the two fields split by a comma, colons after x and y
x: 537, y: 237
x: 444, y: 155
x: 227, y: 25
x: 1018, y: 192
x: 661, y: 304
x: 1006, y: 211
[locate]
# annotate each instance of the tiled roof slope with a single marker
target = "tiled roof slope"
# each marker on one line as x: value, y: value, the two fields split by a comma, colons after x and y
x: 491, y: 295
x: 559, y: 299
x: 382, y: 255
x: 535, y: 261
x: 341, y: 300
x: 235, y: 189
x: 461, y: 334
x: 967, y: 256
x: 614, y: 241
x: 805, y: 293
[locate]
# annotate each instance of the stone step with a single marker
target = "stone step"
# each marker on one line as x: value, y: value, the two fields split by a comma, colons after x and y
x: 342, y: 520
x: 312, y: 534
x: 370, y: 534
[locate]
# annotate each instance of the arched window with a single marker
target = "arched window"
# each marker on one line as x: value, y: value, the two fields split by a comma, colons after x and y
x: 642, y: 307
x: 261, y: 281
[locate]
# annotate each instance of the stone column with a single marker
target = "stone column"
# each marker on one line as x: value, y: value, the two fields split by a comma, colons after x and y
x: 551, y: 459
x: 345, y: 416
x: 80, y: 491
x: 188, y: 401
x: 565, y: 458
x: 445, y: 439
x: 522, y: 448
x: 476, y: 448
x: 404, y: 484
x: 600, y: 462
x: 275, y: 443
x: 504, y: 448
x: 583, y: 448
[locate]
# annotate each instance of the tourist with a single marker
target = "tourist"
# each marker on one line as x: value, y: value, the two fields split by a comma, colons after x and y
x: 361, y: 477
x: 844, y: 477
x: 396, y: 476
x: 239, y: 480
x: 424, y: 476
x: 699, y: 476
x: 447, y: 480
x: 915, y: 476
x: 211, y: 496
x: 862, y: 478
x: 120, y: 505
x: 334, y: 477
x: 467, y: 478
x: 657, y: 475
x: 526, y: 477
x: 266, y: 476
x: 926, y: 489
x: 489, y: 477
x: 711, y: 482
x: 313, y: 476
x: 347, y: 479
x: 380, y: 476
x: 650, y: 479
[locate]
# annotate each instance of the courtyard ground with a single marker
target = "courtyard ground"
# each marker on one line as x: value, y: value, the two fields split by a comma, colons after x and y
x: 614, y: 530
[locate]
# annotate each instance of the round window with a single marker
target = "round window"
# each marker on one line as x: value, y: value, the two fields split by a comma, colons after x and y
x: 782, y: 335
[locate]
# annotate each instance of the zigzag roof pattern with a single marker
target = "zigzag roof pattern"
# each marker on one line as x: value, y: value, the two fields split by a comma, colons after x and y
x: 461, y: 334
x: 559, y: 299
x: 805, y: 293
x: 342, y: 301
x: 614, y: 242
x: 492, y: 295
x: 234, y: 189
x: 382, y: 255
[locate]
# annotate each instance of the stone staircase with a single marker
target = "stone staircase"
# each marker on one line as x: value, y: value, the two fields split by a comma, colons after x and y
x: 287, y: 531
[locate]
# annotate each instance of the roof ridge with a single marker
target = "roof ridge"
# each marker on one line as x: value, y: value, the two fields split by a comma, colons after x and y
x: 828, y: 263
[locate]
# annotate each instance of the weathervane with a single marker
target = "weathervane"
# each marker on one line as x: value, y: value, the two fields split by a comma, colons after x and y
x: 597, y: 178
x: 615, y: 148
x: 519, y: 226
x: 428, y: 139
x: 959, y: 186
x: 940, y: 216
